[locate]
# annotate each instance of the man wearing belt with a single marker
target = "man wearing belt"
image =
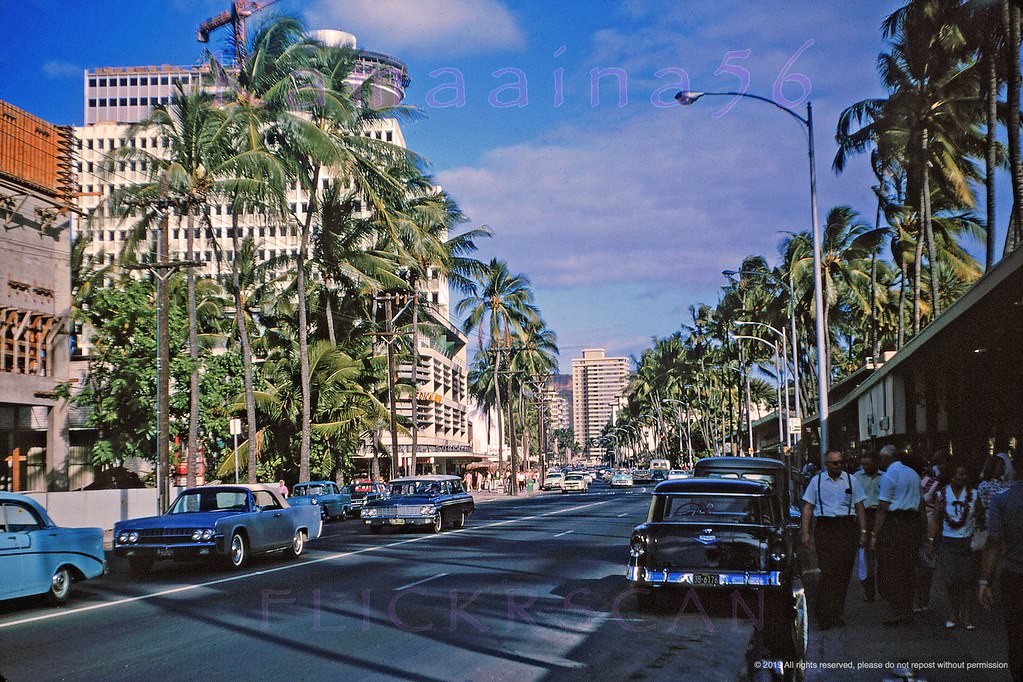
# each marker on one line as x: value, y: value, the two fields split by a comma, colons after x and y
x: 834, y: 501
x: 870, y: 480
x: 898, y: 531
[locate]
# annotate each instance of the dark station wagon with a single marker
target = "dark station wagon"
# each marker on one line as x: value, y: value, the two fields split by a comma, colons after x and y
x: 430, y: 501
x: 723, y: 534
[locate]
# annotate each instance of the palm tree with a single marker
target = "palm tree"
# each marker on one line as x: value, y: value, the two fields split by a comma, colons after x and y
x: 500, y: 307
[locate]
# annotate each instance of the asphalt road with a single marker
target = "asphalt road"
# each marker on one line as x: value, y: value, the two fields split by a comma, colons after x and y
x: 530, y: 589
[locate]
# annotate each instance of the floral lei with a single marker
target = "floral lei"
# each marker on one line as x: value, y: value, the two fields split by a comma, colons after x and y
x: 954, y: 523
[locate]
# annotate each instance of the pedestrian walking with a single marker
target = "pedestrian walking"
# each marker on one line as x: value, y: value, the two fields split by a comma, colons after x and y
x: 931, y: 481
x: 898, y: 530
x: 281, y: 488
x: 834, y: 502
x: 1005, y: 543
x: 467, y: 480
x: 950, y: 535
x: 869, y: 477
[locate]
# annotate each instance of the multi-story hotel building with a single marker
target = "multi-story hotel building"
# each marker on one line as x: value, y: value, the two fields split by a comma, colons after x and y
x: 37, y: 197
x: 598, y: 382
x: 116, y: 97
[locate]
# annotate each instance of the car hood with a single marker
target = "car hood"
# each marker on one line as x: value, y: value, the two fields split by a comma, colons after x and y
x: 189, y: 520
x: 299, y: 500
x: 404, y: 500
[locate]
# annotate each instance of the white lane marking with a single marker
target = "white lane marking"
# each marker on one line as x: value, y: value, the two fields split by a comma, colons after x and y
x: 565, y: 533
x: 419, y: 582
x: 621, y: 515
x: 234, y: 578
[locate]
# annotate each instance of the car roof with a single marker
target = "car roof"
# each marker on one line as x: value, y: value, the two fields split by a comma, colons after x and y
x: 313, y: 483
x: 432, y: 477
x: 710, y: 485
x: 748, y: 464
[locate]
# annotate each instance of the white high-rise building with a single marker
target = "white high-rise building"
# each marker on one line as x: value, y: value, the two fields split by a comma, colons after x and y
x: 117, y: 97
x: 598, y: 383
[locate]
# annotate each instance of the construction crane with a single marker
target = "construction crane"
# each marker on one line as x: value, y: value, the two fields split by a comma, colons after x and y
x: 240, y: 9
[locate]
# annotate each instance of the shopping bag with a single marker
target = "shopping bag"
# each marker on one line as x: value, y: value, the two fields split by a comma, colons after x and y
x: 861, y: 564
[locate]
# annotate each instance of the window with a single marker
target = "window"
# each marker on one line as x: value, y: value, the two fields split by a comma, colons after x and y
x: 124, y: 81
x: 88, y: 144
x: 103, y: 82
x: 123, y: 102
x: 143, y: 81
x: 144, y: 101
x: 163, y: 80
x: 265, y: 499
x: 92, y: 82
x: 99, y: 236
x: 92, y: 103
x: 390, y: 136
x: 134, y: 81
x: 103, y: 102
x: 261, y: 232
x: 89, y: 165
x: 273, y: 231
x: 19, y: 518
x: 176, y: 234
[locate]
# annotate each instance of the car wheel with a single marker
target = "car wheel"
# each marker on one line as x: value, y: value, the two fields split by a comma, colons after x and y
x: 298, y: 544
x: 376, y: 530
x: 646, y: 598
x: 438, y: 523
x: 238, y: 552
x: 60, y: 587
x: 140, y: 565
x: 459, y: 520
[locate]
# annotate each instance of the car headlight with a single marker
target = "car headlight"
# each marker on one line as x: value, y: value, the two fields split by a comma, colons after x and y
x: 637, y: 545
x: 133, y: 536
x: 426, y: 510
x: 196, y: 535
x: 122, y: 538
x: 202, y: 534
x: 369, y: 512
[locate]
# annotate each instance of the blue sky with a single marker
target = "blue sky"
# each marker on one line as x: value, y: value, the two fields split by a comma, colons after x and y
x: 622, y: 210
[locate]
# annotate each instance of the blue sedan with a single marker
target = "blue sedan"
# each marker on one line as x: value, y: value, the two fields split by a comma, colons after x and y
x: 37, y: 557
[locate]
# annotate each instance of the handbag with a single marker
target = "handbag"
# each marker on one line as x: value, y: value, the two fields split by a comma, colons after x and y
x: 978, y: 540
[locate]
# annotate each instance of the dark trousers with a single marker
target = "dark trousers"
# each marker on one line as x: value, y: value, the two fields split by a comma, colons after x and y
x: 897, y: 547
x: 1012, y: 598
x: 835, y: 539
x: 870, y: 584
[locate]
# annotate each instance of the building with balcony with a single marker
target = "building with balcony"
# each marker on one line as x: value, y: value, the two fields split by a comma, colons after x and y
x: 598, y: 384
x: 37, y: 211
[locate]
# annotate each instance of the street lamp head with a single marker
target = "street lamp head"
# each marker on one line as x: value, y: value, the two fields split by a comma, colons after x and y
x: 687, y: 97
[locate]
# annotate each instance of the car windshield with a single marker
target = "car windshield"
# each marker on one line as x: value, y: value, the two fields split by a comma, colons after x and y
x: 574, y: 477
x: 417, y: 488
x: 209, y: 501
x: 310, y: 490
x: 702, y: 508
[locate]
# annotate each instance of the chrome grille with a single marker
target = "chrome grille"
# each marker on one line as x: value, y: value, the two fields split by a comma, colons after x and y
x: 165, y: 536
x: 402, y: 510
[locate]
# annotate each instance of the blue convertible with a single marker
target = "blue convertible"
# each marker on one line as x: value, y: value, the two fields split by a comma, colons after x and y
x: 230, y: 522
x: 431, y: 501
x: 37, y: 557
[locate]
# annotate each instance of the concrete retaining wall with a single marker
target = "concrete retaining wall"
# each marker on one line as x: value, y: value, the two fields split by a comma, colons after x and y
x: 100, y: 508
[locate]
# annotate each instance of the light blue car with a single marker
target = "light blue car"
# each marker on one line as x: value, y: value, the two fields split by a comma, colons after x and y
x: 37, y: 557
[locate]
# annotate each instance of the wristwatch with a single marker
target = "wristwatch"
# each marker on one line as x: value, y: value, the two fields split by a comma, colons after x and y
x: 982, y: 583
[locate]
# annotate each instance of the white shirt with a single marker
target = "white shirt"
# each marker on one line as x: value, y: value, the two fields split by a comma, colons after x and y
x: 871, y: 487
x: 834, y: 497
x: 900, y: 487
x: 955, y: 508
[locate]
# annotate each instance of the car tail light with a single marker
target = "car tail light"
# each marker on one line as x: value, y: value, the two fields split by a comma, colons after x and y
x: 778, y: 551
x: 637, y: 546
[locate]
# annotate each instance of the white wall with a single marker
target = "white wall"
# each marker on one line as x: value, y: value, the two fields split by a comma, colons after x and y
x: 102, y: 508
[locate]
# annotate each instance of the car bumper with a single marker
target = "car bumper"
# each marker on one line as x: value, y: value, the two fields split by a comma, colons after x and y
x: 699, y: 578
x: 401, y: 521
x: 191, y: 550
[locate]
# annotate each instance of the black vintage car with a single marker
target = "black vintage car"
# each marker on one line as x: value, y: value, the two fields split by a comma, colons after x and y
x: 424, y: 501
x: 719, y: 534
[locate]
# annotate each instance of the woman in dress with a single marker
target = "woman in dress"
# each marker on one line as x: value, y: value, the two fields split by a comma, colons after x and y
x: 956, y: 521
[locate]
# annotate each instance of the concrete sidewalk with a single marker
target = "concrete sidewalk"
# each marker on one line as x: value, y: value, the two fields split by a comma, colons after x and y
x: 872, y: 649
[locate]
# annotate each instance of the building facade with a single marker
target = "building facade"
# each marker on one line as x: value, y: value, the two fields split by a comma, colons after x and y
x: 37, y: 210
x: 598, y: 384
x: 117, y: 97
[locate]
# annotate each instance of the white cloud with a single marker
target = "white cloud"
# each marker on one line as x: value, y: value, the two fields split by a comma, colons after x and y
x: 438, y: 27
x: 58, y: 69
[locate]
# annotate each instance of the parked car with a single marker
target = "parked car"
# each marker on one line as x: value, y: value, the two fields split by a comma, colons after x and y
x: 622, y: 479
x: 228, y: 522
x: 675, y: 474
x: 38, y: 557
x: 642, y: 476
x: 430, y: 501
x: 362, y: 492
x: 766, y: 470
x: 721, y: 534
x: 575, y: 482
x: 333, y: 503
x: 552, y: 481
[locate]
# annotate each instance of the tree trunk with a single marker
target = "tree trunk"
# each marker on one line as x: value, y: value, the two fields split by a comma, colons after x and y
x: 392, y: 398
x: 415, y: 376
x: 303, y: 332
x: 243, y: 336
x: 1011, y: 27
x: 330, y: 315
x: 193, y: 356
x: 932, y: 247
x: 513, y: 465
x: 918, y: 269
x: 990, y: 159
x: 500, y: 417
x: 902, y: 305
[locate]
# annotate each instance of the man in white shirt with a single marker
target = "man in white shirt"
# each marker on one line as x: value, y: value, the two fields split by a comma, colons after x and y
x: 898, y: 531
x: 834, y: 501
x: 869, y: 477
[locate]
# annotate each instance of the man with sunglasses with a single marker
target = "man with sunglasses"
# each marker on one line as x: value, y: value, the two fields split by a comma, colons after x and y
x: 833, y: 500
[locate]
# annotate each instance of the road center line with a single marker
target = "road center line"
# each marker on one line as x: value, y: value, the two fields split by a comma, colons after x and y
x: 621, y: 515
x: 565, y: 533
x: 289, y: 567
x: 419, y: 582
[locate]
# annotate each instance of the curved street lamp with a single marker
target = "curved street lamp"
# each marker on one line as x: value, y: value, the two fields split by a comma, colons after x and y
x: 777, y: 360
x: 687, y: 97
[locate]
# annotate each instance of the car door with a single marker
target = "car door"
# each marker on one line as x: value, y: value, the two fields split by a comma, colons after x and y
x: 20, y: 576
x: 275, y: 527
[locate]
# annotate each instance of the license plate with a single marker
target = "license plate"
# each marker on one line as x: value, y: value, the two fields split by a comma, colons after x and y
x: 397, y: 522
x: 705, y: 579
x: 164, y: 551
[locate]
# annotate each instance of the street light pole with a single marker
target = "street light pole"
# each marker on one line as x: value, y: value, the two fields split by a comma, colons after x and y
x: 687, y: 97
